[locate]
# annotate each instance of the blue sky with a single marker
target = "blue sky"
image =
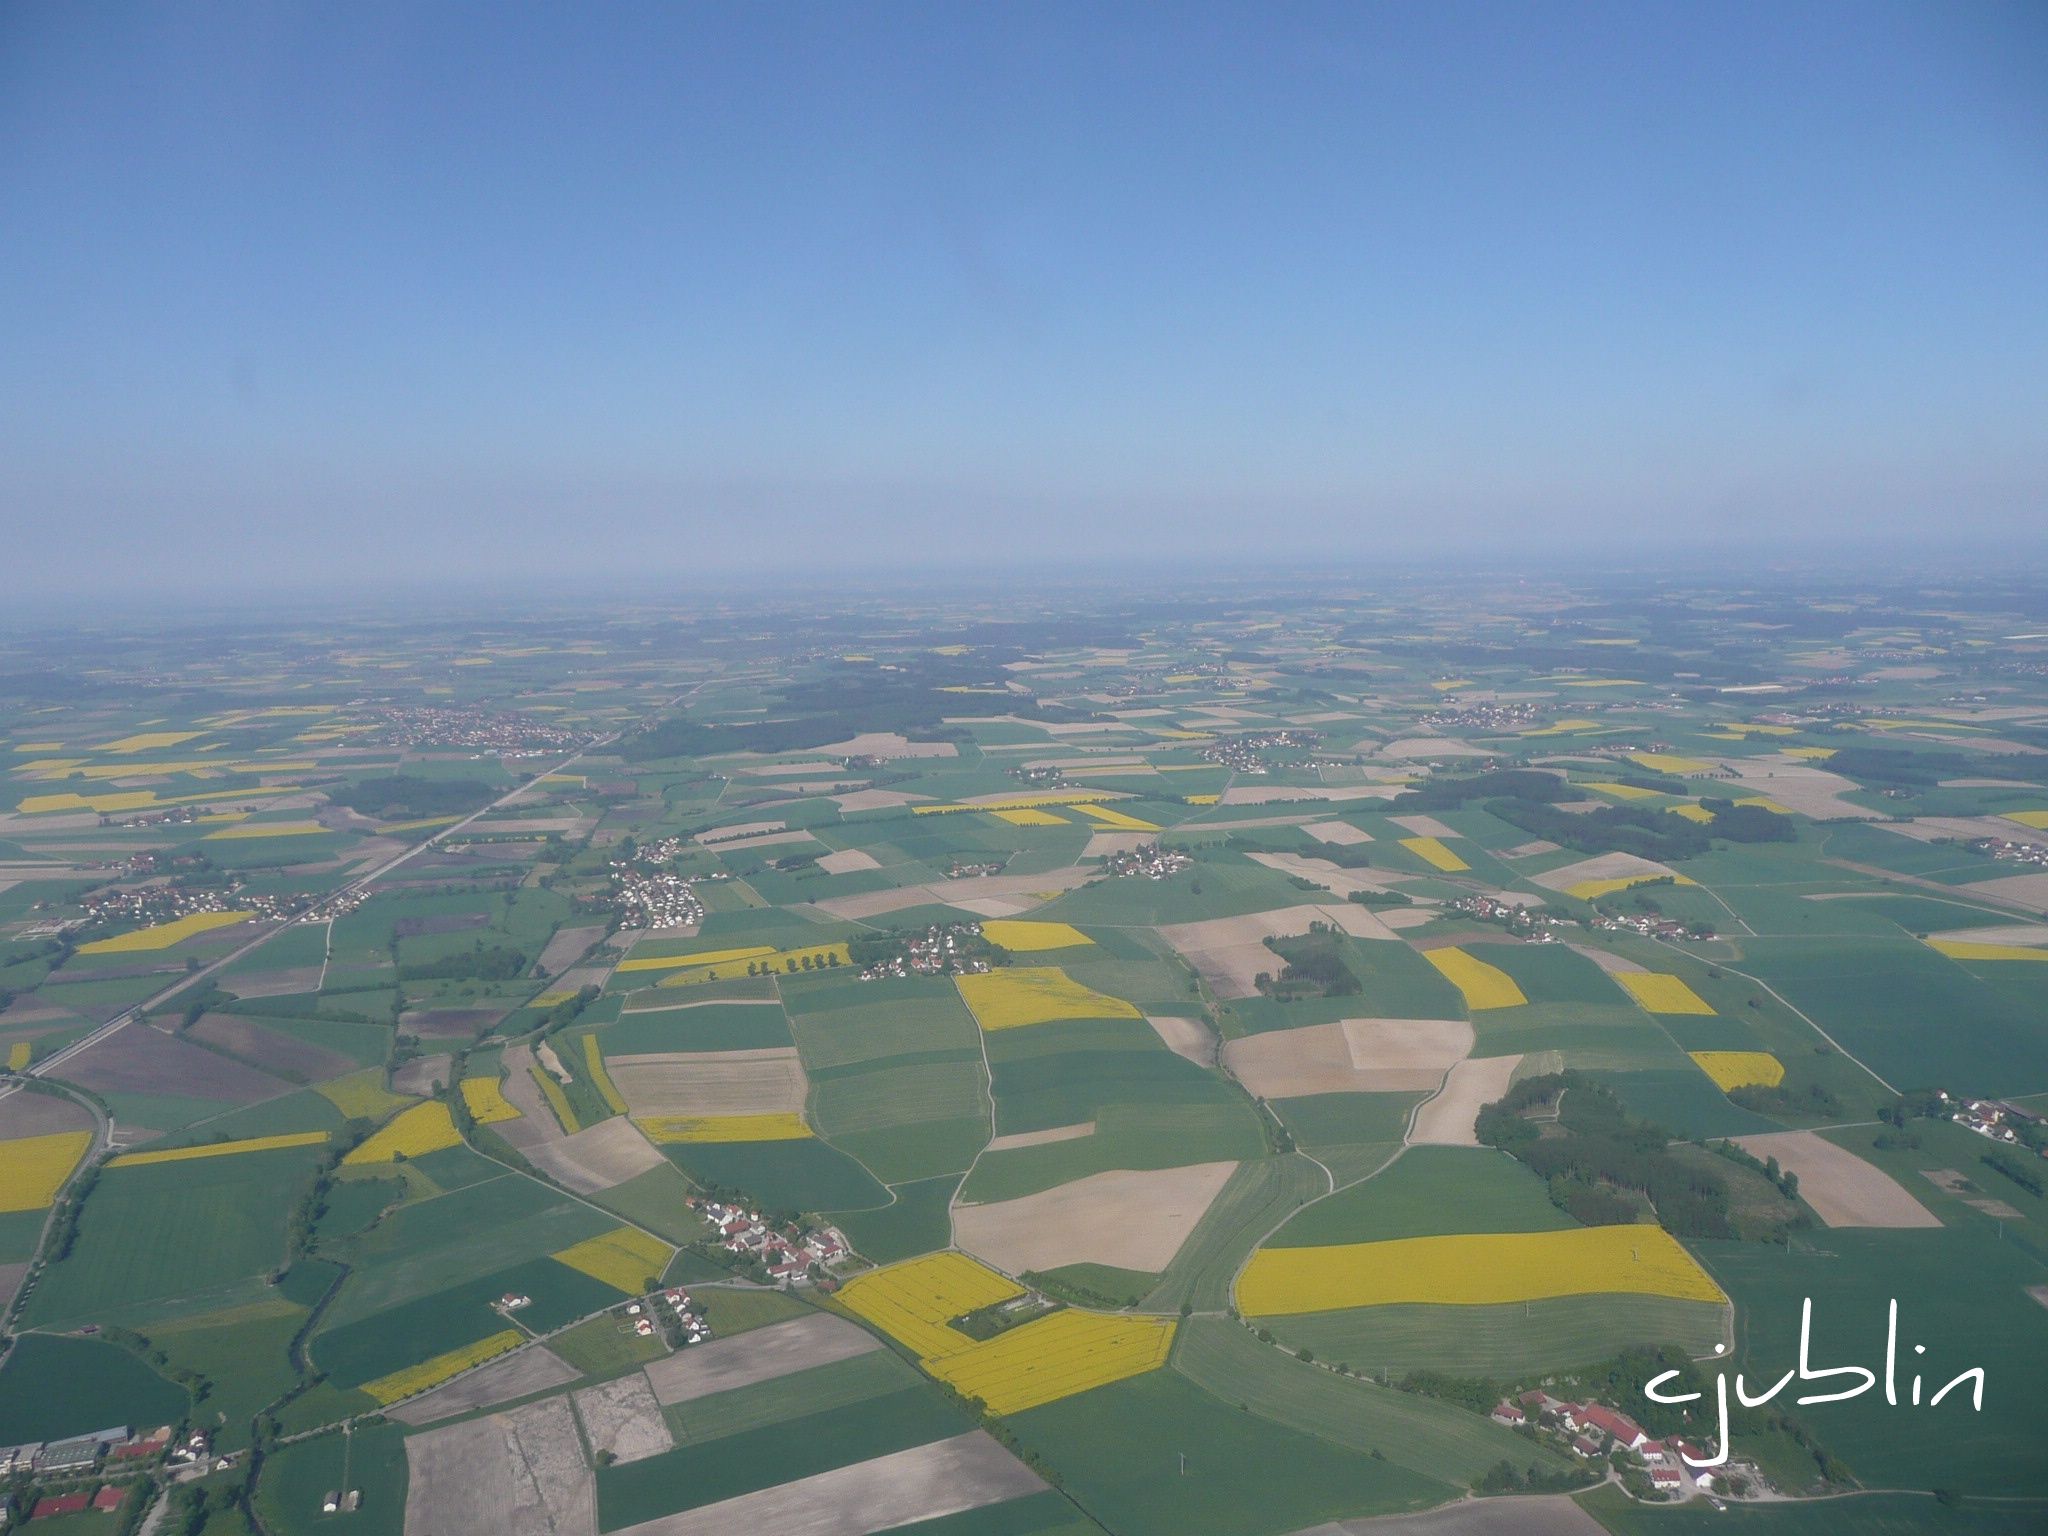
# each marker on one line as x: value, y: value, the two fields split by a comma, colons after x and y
x: 535, y: 291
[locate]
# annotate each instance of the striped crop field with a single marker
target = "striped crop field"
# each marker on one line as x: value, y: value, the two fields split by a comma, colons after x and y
x: 164, y: 935
x: 626, y: 1259
x: 1740, y: 1069
x: 668, y: 1130
x: 1474, y: 1269
x: 1659, y: 993
x: 1484, y: 986
x: 219, y: 1149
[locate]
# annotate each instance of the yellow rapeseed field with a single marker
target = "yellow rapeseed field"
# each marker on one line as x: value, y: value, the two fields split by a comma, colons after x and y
x: 264, y: 829
x: 1741, y: 1069
x: 1698, y: 813
x: 1021, y: 802
x: 1431, y: 851
x: 670, y: 1130
x: 1028, y: 938
x: 1203, y: 799
x: 415, y: 1379
x: 1593, y: 890
x: 1107, y: 817
x: 129, y: 800
x: 1476, y: 1269
x: 558, y: 1101
x: 2038, y: 820
x: 164, y: 935
x: 1665, y: 762
x: 778, y: 961
x: 913, y: 1301
x: 219, y: 1149
x: 1621, y: 791
x: 362, y: 1095
x: 422, y: 1129
x: 148, y: 741
x: 486, y: 1101
x: 1813, y: 753
x: 600, y: 1079
x: 34, y: 1168
x: 690, y: 961
x: 1452, y: 682
x: 625, y: 1258
x: 1036, y: 994
x: 19, y: 1054
x: 1962, y: 949
x: 1032, y: 818
x: 1563, y: 728
x: 1484, y: 986
x: 1055, y: 1357
x: 1659, y: 993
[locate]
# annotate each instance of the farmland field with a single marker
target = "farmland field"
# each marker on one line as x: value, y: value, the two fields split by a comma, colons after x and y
x: 1243, y: 1037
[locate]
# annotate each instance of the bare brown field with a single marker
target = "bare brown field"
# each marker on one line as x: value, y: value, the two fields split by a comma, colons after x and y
x: 758, y: 1082
x: 1842, y: 1188
x: 607, y: 1154
x: 1352, y: 1056
x: 1607, y: 960
x: 1040, y: 1138
x: 1189, y: 1039
x: 740, y: 829
x: 1520, y: 1515
x: 1334, y: 878
x: 521, y: 1374
x: 1102, y: 844
x: 945, y: 1477
x: 1955, y: 1182
x: 419, y: 1075
x: 1447, y: 1120
x: 520, y: 1473
x: 622, y: 1419
x: 267, y: 1050
x: 40, y: 1114
x: 888, y: 744
x: 143, y: 1059
x: 1125, y: 1218
x: 1603, y: 866
x: 760, y: 1355
x: 1413, y: 748
x: 954, y: 893
x: 568, y: 946
x: 876, y: 800
x: 1424, y: 826
x: 1282, y: 794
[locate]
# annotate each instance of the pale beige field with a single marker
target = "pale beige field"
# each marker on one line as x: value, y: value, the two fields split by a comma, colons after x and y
x: 944, y: 1477
x: 1189, y: 1039
x: 621, y: 1418
x: 520, y: 1472
x: 690, y: 1083
x: 1447, y: 1119
x: 1351, y: 1056
x: 1424, y: 826
x: 761, y: 1355
x: 1602, y: 866
x: 1334, y: 878
x: 1229, y: 952
x: 607, y: 1154
x: 1126, y: 1218
x: 955, y: 892
x: 1040, y: 1138
x: 1611, y: 963
x: 1340, y: 834
x: 847, y: 860
x: 1842, y: 1188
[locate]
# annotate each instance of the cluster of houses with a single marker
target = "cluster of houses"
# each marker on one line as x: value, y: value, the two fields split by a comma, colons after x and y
x: 2012, y: 850
x: 495, y: 729
x: 1590, y: 1430
x: 647, y: 894
x: 1485, y: 719
x: 1522, y: 922
x: 1241, y: 753
x: 1993, y: 1119
x: 1148, y: 861
x: 1650, y: 926
x: 106, y: 1459
x: 941, y: 950
x: 787, y: 1252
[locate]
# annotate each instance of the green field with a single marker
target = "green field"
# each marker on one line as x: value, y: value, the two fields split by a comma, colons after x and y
x: 54, y: 1387
x: 298, y: 1476
x: 1429, y: 1192
x: 1256, y: 1199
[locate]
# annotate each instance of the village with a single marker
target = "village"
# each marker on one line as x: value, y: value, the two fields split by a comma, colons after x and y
x: 1591, y: 1430
x: 944, y: 949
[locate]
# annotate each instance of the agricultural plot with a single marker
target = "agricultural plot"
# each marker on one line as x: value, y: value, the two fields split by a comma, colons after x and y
x: 1481, y: 984
x: 1230, y: 953
x: 1473, y: 1269
x: 1026, y: 995
x: 1128, y: 1219
x: 1352, y: 1056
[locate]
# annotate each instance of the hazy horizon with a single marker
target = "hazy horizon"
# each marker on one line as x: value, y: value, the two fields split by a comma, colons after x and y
x: 308, y: 300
